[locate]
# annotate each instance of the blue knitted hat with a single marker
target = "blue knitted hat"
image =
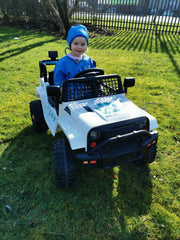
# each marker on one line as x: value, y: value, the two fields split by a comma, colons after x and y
x: 77, y: 31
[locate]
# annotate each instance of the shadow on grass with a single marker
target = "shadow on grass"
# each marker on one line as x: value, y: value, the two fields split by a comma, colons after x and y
x: 137, y: 41
x: 23, y: 37
x: 169, y: 44
x: 17, y: 51
x: 169, y: 50
x: 99, y: 206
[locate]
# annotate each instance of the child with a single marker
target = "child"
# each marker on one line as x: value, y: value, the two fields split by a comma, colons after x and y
x: 75, y: 61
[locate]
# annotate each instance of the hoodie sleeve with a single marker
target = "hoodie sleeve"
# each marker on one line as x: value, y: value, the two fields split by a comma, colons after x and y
x: 66, y: 68
x: 93, y: 64
x: 63, y: 71
x: 59, y: 74
x: 88, y: 62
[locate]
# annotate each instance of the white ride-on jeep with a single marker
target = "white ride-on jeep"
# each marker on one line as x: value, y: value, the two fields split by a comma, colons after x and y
x: 102, y: 127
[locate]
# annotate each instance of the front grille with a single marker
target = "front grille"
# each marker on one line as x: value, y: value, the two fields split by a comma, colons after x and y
x: 127, y: 127
x: 119, y: 128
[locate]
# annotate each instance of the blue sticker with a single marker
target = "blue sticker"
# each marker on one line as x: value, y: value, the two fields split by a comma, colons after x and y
x: 107, y: 108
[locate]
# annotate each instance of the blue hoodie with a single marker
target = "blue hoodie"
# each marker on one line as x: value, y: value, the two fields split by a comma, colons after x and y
x: 67, y: 68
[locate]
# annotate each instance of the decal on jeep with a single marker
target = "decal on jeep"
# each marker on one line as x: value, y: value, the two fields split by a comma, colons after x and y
x: 113, y: 109
x: 107, y: 108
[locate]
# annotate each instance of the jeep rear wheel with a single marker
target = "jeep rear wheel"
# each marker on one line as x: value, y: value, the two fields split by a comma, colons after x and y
x: 64, y: 167
x: 37, y: 116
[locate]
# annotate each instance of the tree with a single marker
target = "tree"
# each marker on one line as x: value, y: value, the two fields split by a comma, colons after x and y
x: 63, y: 11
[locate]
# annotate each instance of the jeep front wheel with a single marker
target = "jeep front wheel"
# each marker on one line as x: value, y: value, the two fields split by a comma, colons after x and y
x: 64, y: 167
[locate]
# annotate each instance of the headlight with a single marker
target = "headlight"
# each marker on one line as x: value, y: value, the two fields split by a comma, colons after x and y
x: 143, y: 124
x: 95, y: 135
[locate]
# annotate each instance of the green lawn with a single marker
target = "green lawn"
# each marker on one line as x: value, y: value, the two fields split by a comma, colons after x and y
x: 125, y: 203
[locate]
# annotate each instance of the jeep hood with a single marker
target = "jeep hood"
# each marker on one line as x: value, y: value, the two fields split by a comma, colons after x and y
x: 81, y: 116
x: 102, y: 111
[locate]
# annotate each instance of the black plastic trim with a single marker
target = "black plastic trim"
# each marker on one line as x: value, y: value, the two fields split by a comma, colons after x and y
x: 91, y: 87
x: 120, y: 149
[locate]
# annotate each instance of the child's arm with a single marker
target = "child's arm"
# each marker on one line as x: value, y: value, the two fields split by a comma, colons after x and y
x: 59, y: 73
x: 59, y: 77
x: 93, y: 63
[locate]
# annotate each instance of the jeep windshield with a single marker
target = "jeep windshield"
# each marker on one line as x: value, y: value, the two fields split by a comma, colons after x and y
x: 91, y: 87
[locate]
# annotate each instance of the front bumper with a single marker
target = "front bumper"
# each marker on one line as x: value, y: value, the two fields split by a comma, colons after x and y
x: 136, y: 146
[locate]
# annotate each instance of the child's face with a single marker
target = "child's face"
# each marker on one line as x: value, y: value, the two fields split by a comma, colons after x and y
x: 78, y: 46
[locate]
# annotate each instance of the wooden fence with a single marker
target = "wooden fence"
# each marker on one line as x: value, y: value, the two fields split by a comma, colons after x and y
x: 154, y: 16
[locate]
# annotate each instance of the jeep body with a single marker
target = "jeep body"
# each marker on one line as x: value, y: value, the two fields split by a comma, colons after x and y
x: 102, y: 126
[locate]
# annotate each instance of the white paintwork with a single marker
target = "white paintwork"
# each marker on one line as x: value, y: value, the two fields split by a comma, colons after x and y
x: 105, y: 110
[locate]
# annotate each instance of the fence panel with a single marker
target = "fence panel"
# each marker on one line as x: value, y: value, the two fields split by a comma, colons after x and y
x: 155, y: 16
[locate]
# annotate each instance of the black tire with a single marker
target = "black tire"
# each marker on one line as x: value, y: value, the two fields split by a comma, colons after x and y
x: 37, y: 116
x: 64, y: 167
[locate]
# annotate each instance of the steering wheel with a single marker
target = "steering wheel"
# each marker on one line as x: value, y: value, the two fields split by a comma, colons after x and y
x: 90, y: 72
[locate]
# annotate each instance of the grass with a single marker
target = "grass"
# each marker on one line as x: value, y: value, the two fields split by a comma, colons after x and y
x: 129, y: 202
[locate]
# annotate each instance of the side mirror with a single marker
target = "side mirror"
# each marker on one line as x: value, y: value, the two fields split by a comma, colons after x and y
x: 55, y: 94
x: 128, y: 82
x: 53, y: 91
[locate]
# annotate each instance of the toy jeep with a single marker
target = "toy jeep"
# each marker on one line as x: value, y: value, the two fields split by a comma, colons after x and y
x: 102, y: 127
